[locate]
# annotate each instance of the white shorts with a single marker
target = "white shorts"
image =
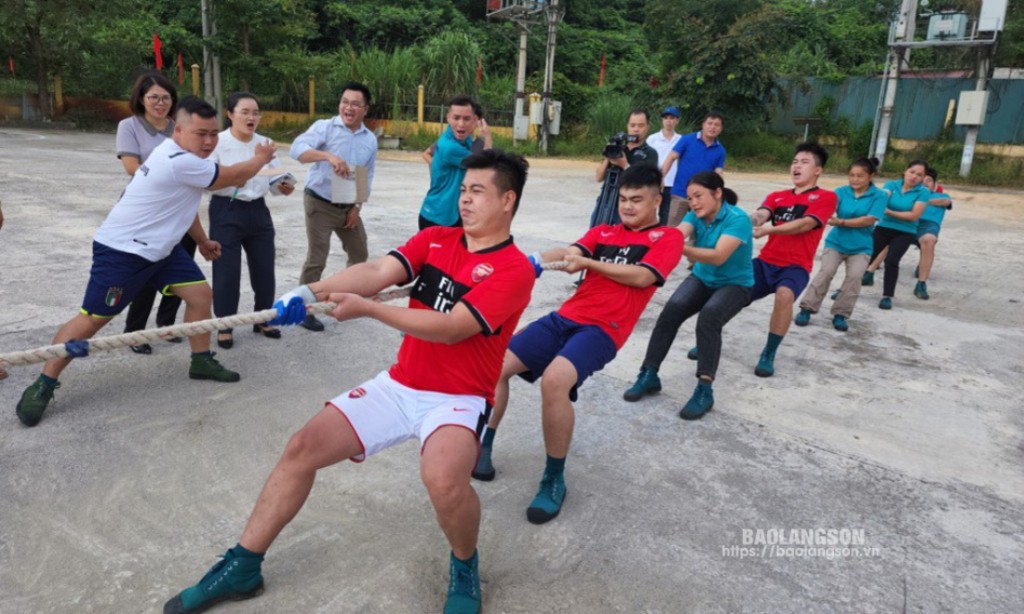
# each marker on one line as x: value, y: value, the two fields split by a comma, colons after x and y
x: 384, y: 413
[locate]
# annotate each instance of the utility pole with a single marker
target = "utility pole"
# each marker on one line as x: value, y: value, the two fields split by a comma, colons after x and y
x: 903, y: 31
x: 520, y: 130
x: 554, y: 15
x: 971, y: 138
x: 211, y: 62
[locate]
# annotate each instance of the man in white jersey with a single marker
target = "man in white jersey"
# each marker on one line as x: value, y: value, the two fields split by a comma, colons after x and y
x: 138, y: 245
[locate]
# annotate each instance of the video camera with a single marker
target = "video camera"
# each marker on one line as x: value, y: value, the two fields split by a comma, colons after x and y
x: 616, y: 147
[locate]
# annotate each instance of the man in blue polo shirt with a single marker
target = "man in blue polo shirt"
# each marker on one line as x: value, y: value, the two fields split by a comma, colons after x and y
x: 441, y: 204
x: 696, y: 152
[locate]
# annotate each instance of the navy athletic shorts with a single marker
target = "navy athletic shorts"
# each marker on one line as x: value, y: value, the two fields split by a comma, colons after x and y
x: 117, y: 277
x: 768, y: 278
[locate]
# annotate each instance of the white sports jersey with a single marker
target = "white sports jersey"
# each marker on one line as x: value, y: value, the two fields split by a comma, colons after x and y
x: 664, y: 147
x: 159, y: 204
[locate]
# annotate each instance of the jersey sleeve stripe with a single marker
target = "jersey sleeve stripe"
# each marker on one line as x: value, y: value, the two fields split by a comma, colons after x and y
x: 409, y: 273
x: 659, y: 279
x: 216, y: 173
x: 485, y: 327
x: 583, y: 248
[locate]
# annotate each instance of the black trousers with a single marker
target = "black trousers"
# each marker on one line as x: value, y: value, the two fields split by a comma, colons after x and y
x: 242, y: 226
x: 898, y: 243
x: 138, y: 311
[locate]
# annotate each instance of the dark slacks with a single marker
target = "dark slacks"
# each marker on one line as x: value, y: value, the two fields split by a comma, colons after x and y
x: 716, y: 307
x: 242, y: 226
x: 898, y: 243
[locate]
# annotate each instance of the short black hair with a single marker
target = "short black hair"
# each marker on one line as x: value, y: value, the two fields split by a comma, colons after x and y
x: 932, y: 172
x: 463, y: 100
x: 641, y: 176
x: 713, y: 115
x: 355, y: 86
x: 197, y: 106
x: 820, y: 153
x: 868, y: 164
x: 143, y: 84
x: 919, y: 162
x: 233, y: 99
x: 510, y: 170
x: 639, y: 111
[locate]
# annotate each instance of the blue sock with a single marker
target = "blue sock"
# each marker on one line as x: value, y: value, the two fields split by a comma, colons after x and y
x: 198, y: 354
x: 773, y: 343
x: 467, y: 562
x: 489, y: 437
x: 46, y: 379
x: 241, y: 551
x: 555, y: 466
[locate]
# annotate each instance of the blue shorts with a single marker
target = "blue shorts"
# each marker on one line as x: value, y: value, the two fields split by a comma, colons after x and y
x: 927, y: 227
x: 586, y: 346
x: 768, y: 278
x: 117, y: 277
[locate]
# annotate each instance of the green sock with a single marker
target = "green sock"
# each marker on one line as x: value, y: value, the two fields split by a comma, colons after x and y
x: 489, y: 437
x: 46, y: 379
x: 555, y: 466
x: 773, y: 343
x: 207, y: 353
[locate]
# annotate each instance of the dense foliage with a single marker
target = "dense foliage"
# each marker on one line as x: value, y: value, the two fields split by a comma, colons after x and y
x: 698, y: 54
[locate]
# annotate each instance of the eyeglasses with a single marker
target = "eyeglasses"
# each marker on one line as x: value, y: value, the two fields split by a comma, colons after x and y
x: 157, y: 99
x: 352, y: 104
x: 248, y: 113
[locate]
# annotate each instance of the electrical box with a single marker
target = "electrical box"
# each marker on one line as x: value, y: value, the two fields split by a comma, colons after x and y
x: 554, y: 116
x: 993, y: 16
x: 521, y: 127
x: 972, y: 108
x: 947, y: 26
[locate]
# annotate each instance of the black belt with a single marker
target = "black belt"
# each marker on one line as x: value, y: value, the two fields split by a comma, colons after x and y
x: 315, y: 196
x: 228, y: 199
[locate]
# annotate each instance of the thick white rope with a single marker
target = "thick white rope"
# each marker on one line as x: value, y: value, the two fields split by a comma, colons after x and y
x: 185, y: 329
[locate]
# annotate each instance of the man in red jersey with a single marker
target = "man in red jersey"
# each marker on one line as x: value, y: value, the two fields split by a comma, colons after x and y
x: 625, y: 264
x: 783, y: 267
x: 470, y: 286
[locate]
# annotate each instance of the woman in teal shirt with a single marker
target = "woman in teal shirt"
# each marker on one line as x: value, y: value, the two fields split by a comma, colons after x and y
x: 898, y: 228
x: 861, y: 205
x: 719, y: 239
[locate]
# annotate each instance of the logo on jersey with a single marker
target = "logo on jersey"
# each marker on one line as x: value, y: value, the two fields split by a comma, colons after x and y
x: 812, y: 197
x: 435, y: 245
x: 654, y: 235
x: 114, y: 295
x: 357, y: 393
x: 606, y: 233
x: 481, y: 272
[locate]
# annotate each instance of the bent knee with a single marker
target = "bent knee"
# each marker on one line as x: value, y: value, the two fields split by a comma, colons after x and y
x: 300, y: 447
x: 442, y: 483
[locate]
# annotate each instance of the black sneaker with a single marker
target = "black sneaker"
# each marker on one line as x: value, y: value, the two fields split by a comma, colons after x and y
x: 34, y: 401
x: 311, y: 323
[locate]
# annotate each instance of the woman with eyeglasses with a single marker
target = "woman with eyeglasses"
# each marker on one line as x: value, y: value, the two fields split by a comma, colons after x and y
x: 240, y: 220
x: 153, y: 102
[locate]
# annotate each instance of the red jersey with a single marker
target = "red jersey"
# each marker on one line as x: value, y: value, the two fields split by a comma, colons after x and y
x: 786, y: 206
x: 494, y: 283
x: 613, y: 306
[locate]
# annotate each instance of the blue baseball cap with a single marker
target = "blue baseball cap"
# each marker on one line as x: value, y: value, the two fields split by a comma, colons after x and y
x: 671, y: 111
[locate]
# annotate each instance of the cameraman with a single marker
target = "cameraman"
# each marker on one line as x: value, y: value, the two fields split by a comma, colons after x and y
x: 622, y: 152
x: 636, y: 151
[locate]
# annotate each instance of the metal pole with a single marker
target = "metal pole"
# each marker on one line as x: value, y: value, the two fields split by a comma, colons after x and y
x: 904, y: 33
x: 207, y: 64
x: 218, y: 95
x: 971, y: 139
x: 517, y: 118
x: 553, y: 16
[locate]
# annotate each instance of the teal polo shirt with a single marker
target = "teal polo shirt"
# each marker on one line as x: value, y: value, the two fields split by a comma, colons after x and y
x: 441, y: 204
x: 856, y: 240
x: 935, y: 215
x: 738, y: 270
x: 900, y: 201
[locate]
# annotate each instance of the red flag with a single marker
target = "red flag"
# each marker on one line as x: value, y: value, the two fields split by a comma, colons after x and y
x: 10, y: 64
x: 181, y: 70
x: 156, y: 52
x: 600, y: 79
x: 479, y: 70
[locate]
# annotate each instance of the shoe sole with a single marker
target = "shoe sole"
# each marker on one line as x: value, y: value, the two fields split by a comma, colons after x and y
x: 634, y: 398
x: 538, y: 516
x: 484, y: 477
x: 801, y: 322
x: 216, y: 379
x: 28, y: 421
x: 762, y: 373
x: 174, y: 606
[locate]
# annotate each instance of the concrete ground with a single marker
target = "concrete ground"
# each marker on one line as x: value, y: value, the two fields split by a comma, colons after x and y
x: 905, y: 431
